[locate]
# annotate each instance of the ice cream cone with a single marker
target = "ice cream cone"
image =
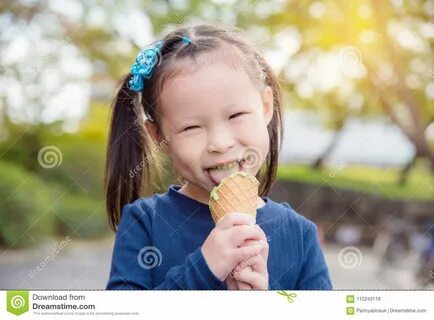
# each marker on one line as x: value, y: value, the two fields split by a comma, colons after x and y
x: 235, y: 193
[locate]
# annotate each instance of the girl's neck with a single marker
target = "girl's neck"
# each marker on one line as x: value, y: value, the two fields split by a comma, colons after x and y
x: 201, y: 195
x: 195, y: 192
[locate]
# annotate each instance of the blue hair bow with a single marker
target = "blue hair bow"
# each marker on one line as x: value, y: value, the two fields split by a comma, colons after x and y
x: 146, y: 60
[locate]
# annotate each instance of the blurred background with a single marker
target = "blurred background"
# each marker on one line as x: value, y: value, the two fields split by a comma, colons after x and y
x: 357, y: 156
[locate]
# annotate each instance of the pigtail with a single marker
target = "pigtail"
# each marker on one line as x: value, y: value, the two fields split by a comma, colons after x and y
x: 275, y: 129
x: 127, y: 149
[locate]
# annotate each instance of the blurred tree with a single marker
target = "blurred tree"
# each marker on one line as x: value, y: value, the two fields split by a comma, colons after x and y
x: 388, y: 42
x: 339, y: 58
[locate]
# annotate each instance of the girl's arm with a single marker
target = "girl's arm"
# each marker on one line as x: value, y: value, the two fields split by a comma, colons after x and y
x: 314, y: 272
x: 128, y: 273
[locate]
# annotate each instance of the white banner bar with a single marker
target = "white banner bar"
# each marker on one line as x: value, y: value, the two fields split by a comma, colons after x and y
x: 216, y: 304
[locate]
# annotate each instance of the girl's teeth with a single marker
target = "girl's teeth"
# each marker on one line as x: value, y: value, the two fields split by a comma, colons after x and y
x: 227, y: 166
x: 219, y: 173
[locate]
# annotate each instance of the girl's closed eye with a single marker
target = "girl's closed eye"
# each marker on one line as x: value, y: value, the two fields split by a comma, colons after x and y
x: 190, y: 128
x: 237, y: 115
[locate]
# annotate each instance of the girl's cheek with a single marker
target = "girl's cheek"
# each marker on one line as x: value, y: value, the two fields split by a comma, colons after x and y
x: 189, y: 148
x: 248, y: 126
x: 189, y: 140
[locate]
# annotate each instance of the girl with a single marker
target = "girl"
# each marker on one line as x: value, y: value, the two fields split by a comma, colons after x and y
x: 207, y: 99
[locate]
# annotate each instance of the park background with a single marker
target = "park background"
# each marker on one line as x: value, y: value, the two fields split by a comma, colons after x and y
x: 357, y: 156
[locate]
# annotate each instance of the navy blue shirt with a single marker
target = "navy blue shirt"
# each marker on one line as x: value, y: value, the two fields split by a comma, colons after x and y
x: 159, y: 239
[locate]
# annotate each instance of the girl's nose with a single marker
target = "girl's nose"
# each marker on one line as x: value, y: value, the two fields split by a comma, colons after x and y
x: 220, y: 141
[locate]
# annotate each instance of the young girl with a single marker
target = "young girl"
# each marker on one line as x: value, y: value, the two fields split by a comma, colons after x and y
x: 206, y: 98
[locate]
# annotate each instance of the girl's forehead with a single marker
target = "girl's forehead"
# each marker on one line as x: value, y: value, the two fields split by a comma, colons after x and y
x: 212, y: 85
x: 210, y: 82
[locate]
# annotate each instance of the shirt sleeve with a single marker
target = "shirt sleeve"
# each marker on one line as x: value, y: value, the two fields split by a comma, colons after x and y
x: 314, y: 273
x: 128, y: 272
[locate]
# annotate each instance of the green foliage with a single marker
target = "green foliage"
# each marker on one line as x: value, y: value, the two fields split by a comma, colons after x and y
x: 25, y: 213
x: 81, y: 216
x: 364, y: 179
x: 37, y: 202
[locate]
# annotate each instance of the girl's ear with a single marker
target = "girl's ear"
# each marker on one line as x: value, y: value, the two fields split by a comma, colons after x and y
x: 267, y: 102
x: 159, y: 141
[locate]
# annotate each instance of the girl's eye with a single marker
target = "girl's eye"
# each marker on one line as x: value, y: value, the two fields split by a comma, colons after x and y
x: 236, y: 115
x: 190, y: 128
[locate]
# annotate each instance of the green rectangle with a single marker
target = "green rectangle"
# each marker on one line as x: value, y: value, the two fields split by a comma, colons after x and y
x: 350, y: 310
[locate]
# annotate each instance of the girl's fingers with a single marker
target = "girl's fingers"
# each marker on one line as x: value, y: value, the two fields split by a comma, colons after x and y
x: 256, y: 263
x: 243, y: 286
x: 234, y: 219
x: 263, y: 235
x: 242, y: 253
x: 231, y: 283
x: 239, y: 234
x: 249, y: 242
x: 266, y: 246
x: 234, y: 284
x: 254, y: 279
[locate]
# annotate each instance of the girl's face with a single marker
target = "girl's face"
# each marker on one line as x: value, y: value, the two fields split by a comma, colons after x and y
x: 214, y: 115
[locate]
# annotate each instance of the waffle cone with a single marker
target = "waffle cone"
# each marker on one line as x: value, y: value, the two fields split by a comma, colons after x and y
x: 235, y: 193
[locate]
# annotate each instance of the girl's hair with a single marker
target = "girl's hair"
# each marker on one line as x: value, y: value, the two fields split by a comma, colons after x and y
x: 129, y: 146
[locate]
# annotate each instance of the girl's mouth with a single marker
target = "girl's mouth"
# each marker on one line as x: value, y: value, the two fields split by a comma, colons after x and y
x: 217, y: 174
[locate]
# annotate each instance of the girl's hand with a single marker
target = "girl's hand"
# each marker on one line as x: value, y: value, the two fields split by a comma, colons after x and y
x: 254, y: 276
x: 223, y: 249
x: 251, y: 273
